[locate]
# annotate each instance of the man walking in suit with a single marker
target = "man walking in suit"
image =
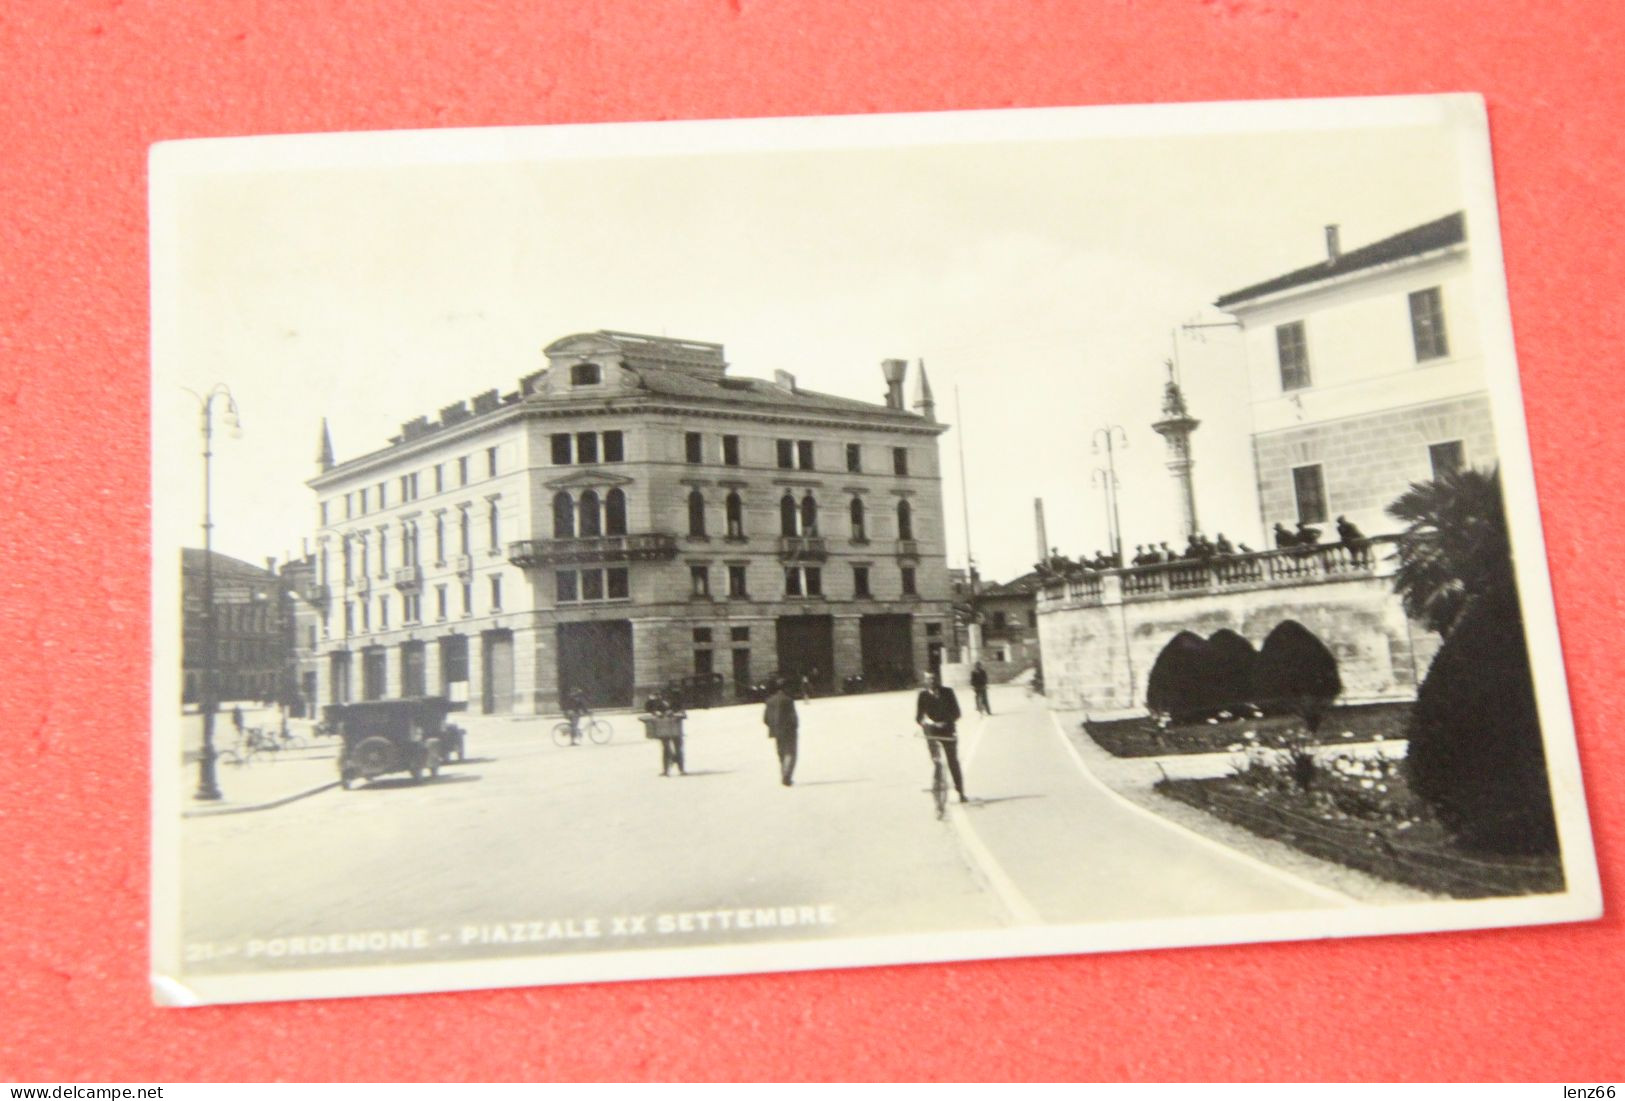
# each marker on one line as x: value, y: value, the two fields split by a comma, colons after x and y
x: 937, y: 710
x: 978, y: 685
x: 780, y: 717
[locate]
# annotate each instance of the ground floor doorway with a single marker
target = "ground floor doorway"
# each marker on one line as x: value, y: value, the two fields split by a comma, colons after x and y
x: 595, y: 659
x: 887, y: 642
x: 496, y: 686
x: 807, y: 650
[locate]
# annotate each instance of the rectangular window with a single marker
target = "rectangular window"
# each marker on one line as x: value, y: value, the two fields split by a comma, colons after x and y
x: 736, y: 582
x: 933, y: 630
x: 814, y: 582
x: 439, y: 477
x: 702, y: 635
x: 585, y: 374
x: 363, y: 496
x: 349, y: 618
x: 440, y: 605
x: 700, y: 578
x: 908, y: 582
x: 348, y: 511
x: 366, y: 615
x: 496, y: 594
x: 804, y: 454
x: 792, y: 582
x: 614, y: 447
x: 586, y: 447
x: 462, y: 470
x: 1000, y: 621
x: 567, y: 591
x: 693, y: 447
x: 860, y: 581
x: 592, y: 584
x: 617, y: 583
x: 383, y: 499
x: 854, y: 458
x: 1309, y: 488
x: 406, y: 487
x: 1447, y: 458
x: 1427, y: 325
x: 561, y: 448
x: 738, y: 634
x: 1294, y: 355
x: 468, y: 598
x: 899, y: 461
x: 324, y: 514
x: 491, y: 462
x: 730, y: 451
x: 787, y: 453
x: 703, y: 664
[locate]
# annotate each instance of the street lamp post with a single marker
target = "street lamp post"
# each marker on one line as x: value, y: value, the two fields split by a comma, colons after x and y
x: 1107, y: 440
x: 208, y: 787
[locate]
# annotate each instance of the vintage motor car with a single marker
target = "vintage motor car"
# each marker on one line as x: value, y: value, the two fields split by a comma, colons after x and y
x: 383, y: 736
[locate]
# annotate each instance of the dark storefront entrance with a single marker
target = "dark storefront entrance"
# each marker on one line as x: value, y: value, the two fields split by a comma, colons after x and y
x: 807, y: 649
x: 496, y: 690
x: 888, y: 650
x: 338, y: 676
x: 372, y: 672
x: 414, y: 676
x: 595, y: 659
x: 454, y: 668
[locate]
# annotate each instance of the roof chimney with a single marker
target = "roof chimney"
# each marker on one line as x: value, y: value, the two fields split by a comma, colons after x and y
x: 784, y: 380
x: 894, y: 370
x: 1334, y: 249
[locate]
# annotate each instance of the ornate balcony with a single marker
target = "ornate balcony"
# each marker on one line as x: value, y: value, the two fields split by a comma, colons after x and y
x: 409, y: 579
x: 465, y: 567
x: 803, y: 548
x: 571, y: 550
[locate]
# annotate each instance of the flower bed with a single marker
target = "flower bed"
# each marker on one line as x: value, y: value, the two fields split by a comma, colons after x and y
x: 1145, y: 738
x: 1358, y: 811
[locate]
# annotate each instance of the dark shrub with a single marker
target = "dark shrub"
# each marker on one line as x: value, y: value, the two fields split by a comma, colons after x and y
x: 1296, y: 674
x: 1175, y: 686
x: 1230, y: 661
x: 1475, y: 752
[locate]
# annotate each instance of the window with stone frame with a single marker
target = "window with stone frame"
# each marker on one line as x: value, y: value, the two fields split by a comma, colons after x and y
x: 860, y: 581
x: 1309, y: 492
x: 1449, y: 457
x: 1427, y: 325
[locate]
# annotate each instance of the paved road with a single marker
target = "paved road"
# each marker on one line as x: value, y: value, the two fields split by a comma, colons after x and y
x: 530, y: 842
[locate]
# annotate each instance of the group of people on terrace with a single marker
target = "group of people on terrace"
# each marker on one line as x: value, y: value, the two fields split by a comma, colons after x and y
x: 1199, y: 548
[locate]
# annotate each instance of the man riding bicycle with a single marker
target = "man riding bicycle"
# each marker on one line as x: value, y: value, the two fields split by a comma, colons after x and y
x: 936, y: 711
x: 575, y: 709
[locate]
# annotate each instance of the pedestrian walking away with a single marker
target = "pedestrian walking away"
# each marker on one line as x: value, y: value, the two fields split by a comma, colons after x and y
x: 665, y: 722
x: 780, y: 717
x: 937, y: 711
x: 978, y: 684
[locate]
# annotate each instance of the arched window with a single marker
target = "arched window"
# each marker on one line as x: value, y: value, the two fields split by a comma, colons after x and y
x: 696, y: 513
x: 736, y: 516
x: 787, y: 514
x: 809, y: 515
x: 496, y: 527
x: 615, y: 513
x: 564, y: 516
x: 905, y: 521
x: 590, y: 522
x: 858, y: 533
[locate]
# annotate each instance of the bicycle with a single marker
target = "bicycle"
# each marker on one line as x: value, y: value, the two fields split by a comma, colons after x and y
x: 596, y: 730
x: 939, y: 772
x: 251, y: 742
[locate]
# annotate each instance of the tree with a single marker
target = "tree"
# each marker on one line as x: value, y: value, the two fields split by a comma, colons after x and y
x: 1175, y: 684
x: 1455, y: 547
x: 1475, y: 751
x: 1295, y: 672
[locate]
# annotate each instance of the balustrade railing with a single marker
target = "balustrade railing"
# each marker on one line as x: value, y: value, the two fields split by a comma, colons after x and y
x: 802, y: 547
x: 643, y: 547
x: 1262, y: 569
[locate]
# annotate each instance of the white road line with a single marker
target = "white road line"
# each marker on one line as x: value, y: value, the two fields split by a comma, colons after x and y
x: 1336, y: 897
x: 982, y: 859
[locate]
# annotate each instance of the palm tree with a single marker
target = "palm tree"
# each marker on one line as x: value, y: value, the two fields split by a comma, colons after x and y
x: 1455, y: 547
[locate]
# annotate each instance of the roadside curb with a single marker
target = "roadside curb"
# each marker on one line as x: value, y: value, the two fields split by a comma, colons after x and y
x: 215, y: 812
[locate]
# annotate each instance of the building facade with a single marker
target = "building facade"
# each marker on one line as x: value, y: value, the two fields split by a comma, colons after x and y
x: 1008, y: 615
x: 1365, y: 374
x: 252, y: 625
x: 632, y: 515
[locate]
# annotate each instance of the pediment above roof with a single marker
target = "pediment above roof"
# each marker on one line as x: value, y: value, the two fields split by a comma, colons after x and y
x: 582, y: 344
x: 588, y: 479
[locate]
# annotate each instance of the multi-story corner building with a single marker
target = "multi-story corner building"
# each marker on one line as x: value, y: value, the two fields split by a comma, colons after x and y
x: 632, y: 514
x: 1008, y: 614
x: 1365, y: 375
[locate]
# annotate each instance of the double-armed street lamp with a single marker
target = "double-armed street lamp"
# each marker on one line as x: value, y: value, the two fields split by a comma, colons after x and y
x: 208, y: 787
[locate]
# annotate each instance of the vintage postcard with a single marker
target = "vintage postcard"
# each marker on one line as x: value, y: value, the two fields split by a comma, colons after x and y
x: 608, y: 552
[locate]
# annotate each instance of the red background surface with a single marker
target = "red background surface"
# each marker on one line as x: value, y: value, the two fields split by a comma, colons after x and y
x: 85, y: 88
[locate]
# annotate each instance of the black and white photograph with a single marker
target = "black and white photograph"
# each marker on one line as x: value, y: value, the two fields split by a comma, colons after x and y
x: 647, y: 550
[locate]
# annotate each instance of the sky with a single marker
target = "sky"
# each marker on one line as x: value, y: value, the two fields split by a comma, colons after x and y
x: 1041, y: 280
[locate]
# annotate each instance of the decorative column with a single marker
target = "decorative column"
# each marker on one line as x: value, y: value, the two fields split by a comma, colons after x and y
x: 1176, y: 427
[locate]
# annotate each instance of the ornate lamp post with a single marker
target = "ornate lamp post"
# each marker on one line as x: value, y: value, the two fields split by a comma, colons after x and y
x: 1107, y: 440
x: 207, y: 785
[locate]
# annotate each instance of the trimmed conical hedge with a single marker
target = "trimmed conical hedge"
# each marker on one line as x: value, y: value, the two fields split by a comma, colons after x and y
x: 1475, y: 748
x: 1295, y: 673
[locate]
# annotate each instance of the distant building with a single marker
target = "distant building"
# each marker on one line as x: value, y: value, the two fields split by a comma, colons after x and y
x: 1008, y: 613
x: 251, y: 629
x: 1365, y: 375
x: 631, y: 515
